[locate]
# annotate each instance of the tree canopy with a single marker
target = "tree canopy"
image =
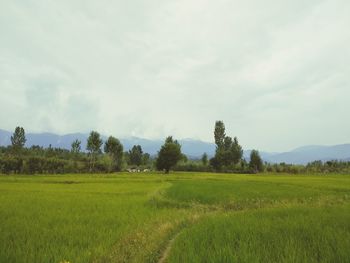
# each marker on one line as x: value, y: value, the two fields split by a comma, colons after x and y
x: 94, y: 143
x: 76, y: 146
x: 228, y: 152
x: 169, y: 155
x: 204, y: 159
x: 219, y: 134
x: 114, y: 148
x: 18, y: 139
x: 135, y: 155
x: 256, y: 163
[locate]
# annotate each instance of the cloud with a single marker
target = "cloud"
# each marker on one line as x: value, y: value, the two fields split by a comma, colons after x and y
x: 275, y: 71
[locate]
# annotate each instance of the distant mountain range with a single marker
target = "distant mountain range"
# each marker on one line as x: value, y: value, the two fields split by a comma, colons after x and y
x: 305, y: 154
x: 192, y: 148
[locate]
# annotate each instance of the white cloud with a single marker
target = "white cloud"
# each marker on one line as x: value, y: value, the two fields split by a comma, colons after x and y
x: 275, y: 71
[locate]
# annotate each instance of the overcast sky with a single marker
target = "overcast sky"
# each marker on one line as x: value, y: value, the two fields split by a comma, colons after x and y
x: 276, y: 72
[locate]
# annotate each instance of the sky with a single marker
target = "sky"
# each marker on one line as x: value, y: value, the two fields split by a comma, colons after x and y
x: 277, y: 72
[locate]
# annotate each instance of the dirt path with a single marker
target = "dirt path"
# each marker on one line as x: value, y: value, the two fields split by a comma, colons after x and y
x: 190, y: 221
x: 168, y: 248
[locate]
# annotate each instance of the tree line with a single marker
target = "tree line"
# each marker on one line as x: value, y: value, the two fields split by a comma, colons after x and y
x: 109, y: 156
x: 99, y: 156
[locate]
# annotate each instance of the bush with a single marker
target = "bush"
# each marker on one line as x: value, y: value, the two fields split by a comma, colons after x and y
x: 11, y: 164
x: 33, y: 165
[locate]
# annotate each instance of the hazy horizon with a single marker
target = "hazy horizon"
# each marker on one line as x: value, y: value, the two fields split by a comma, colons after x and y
x: 185, y: 139
x: 276, y: 72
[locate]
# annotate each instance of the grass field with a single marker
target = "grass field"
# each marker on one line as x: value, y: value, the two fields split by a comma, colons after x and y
x: 181, y: 217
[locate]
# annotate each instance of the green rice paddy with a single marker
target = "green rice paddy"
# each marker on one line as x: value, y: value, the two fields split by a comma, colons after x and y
x: 181, y: 217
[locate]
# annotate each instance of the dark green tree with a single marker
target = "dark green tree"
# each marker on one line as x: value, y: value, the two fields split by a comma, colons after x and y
x: 225, y: 153
x: 219, y: 134
x: 184, y: 158
x: 256, y: 163
x: 135, y: 155
x: 76, y: 147
x: 215, y: 163
x: 94, y: 143
x: 126, y: 157
x: 219, y: 137
x: 169, y: 155
x: 204, y: 159
x: 146, y: 157
x: 237, y: 151
x: 114, y: 148
x: 228, y: 152
x: 18, y: 139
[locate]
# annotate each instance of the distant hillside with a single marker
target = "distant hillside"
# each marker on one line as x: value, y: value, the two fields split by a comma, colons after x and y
x: 192, y: 148
x: 311, y: 153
